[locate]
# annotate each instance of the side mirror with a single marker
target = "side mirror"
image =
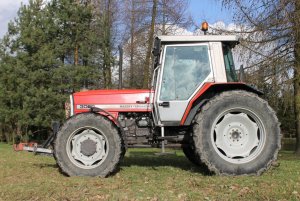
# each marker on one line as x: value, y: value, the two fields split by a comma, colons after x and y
x: 241, y: 74
x: 156, y: 51
x: 157, y: 46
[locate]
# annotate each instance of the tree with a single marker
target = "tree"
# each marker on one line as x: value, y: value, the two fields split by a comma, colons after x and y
x: 171, y: 18
x: 44, y: 57
x: 149, y: 46
x: 272, y: 34
x: 295, y: 21
x: 56, y: 47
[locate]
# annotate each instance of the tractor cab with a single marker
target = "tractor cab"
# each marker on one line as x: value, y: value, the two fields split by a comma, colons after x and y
x: 184, y: 65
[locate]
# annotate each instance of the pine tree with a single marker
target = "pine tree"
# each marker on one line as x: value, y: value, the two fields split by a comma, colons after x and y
x: 45, y: 56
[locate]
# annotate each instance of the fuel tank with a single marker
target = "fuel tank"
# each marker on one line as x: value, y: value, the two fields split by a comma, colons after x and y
x: 112, y: 101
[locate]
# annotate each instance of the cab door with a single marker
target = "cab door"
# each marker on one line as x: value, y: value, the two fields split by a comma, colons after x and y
x: 185, y: 68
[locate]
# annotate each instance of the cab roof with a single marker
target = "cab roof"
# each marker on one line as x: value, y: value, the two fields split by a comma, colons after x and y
x: 229, y: 39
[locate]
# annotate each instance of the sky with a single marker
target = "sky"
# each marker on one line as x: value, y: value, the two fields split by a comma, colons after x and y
x: 209, y: 10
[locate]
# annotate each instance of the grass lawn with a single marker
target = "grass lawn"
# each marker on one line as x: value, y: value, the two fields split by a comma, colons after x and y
x: 142, y: 176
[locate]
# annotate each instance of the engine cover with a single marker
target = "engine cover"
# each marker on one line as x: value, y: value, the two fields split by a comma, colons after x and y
x: 112, y: 101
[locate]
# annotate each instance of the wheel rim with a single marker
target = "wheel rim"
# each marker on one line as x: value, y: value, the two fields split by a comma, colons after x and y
x: 87, y: 147
x: 238, y: 135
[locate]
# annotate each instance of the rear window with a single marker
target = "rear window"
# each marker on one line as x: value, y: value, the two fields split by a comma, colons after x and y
x: 229, y: 65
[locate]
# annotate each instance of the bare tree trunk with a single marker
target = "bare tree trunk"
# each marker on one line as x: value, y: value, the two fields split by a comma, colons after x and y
x: 297, y: 75
x: 107, y: 45
x: 108, y: 36
x: 7, y: 136
x: 164, y: 17
x: 150, y: 43
x: 2, y: 132
x: 132, y: 21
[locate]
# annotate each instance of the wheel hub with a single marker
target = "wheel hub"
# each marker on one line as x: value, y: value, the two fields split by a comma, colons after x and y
x: 88, y: 147
x: 235, y: 135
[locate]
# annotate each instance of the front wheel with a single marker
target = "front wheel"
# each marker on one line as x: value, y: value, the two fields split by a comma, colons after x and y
x: 237, y: 133
x: 88, y: 144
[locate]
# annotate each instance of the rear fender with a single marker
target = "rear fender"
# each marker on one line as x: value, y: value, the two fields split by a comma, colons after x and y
x: 207, y: 92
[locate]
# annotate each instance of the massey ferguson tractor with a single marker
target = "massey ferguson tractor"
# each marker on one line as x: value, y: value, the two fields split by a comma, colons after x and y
x: 195, y: 102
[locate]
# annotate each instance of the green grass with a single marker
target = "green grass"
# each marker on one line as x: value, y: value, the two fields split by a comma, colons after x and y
x: 142, y: 176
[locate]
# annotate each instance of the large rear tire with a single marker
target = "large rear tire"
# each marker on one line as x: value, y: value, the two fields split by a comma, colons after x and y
x: 237, y: 133
x: 88, y: 144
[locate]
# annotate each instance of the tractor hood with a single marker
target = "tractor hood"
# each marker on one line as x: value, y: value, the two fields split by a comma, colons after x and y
x: 113, y: 101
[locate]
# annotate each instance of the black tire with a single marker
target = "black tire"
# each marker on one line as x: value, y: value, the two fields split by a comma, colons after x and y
x: 188, y: 149
x: 190, y: 154
x: 260, y: 158
x: 108, y: 131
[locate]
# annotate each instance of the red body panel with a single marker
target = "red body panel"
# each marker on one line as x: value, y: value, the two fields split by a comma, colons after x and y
x: 113, y: 101
x: 135, y: 100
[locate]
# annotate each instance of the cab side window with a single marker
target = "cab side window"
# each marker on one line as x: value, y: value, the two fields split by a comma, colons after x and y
x: 185, y: 68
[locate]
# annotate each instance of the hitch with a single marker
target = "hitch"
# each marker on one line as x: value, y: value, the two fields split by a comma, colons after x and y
x: 37, y: 150
x: 44, y: 148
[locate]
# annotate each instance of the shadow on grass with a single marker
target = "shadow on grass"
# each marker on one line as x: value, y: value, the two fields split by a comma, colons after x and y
x: 55, y: 166
x: 150, y: 159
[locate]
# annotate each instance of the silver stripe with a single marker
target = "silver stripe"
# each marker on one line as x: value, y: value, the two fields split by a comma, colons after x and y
x: 72, y: 105
x: 115, y: 106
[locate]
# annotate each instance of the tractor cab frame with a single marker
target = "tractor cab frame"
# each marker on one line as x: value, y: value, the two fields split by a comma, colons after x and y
x: 184, y: 66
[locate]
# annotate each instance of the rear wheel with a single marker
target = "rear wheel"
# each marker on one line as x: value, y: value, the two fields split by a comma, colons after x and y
x: 237, y: 133
x: 88, y: 145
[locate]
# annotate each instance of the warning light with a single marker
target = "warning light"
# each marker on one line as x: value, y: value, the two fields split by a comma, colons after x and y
x: 204, y: 27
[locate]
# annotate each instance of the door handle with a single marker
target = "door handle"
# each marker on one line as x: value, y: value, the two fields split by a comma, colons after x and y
x: 164, y: 104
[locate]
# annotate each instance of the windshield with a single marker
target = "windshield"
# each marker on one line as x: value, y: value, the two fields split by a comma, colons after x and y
x: 229, y: 64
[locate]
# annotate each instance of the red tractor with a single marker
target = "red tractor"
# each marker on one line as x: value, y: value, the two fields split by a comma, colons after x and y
x: 195, y: 102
